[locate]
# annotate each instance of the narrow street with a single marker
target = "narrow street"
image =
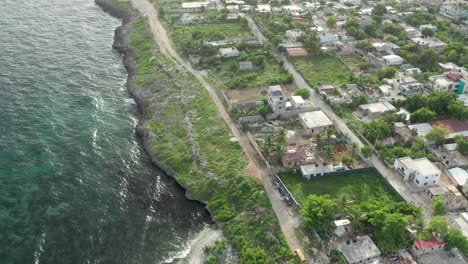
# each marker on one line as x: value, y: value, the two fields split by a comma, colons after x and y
x: 288, y: 221
x: 408, y: 193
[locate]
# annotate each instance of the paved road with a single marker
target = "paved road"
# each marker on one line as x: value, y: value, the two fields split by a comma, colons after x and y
x: 255, y: 168
x: 409, y: 193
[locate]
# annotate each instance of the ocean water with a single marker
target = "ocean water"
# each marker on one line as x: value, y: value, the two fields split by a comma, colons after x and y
x: 75, y: 183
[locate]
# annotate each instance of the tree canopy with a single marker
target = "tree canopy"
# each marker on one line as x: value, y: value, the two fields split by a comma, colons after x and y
x: 437, y: 134
x: 318, y: 213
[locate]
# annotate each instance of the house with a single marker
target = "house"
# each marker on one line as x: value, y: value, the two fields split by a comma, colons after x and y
x: 412, y: 32
x: 391, y: 60
x: 409, y: 86
x: 374, y: 110
x: 435, y: 192
x: 228, y: 52
x: 297, y: 102
x: 352, y: 2
x: 315, y: 170
x: 449, y: 82
x: 429, y: 26
x: 454, y: 11
x: 405, y: 257
x: 293, y: 10
x: 297, y: 52
x: 276, y: 99
x: 195, y: 6
x: 370, y: 92
x: 311, y: 6
x: 460, y: 176
x: 315, y: 121
x: 297, y: 155
x: 403, y: 132
x: 386, y: 90
x: 421, y: 171
x: 421, y: 129
x: 429, y: 42
x: 462, y: 223
x: 293, y: 34
x: 421, y: 247
x: 360, y: 250
x: 327, y: 38
x: 264, y: 8
x: 245, y: 66
x: 412, y: 71
x: 454, y: 200
x: 343, y: 227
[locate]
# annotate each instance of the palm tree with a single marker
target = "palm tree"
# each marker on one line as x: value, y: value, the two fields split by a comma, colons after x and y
x: 343, y: 200
x: 318, y: 137
x: 354, y: 149
x: 358, y: 220
x: 268, y: 146
x: 280, y: 137
x: 329, y: 153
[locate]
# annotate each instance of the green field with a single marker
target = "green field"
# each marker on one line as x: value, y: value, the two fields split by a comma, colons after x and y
x: 318, y: 70
x: 228, y: 76
x: 361, y: 185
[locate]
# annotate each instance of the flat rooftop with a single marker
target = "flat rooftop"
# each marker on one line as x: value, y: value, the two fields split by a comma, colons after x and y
x: 423, y: 165
x: 315, y: 119
x: 362, y: 249
x: 379, y: 107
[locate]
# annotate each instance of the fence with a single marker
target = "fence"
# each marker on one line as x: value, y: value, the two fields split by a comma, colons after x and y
x: 298, y: 205
x: 226, y: 99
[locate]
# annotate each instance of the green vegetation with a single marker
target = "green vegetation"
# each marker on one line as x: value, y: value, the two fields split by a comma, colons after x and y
x: 192, y: 140
x: 216, y: 253
x: 360, y: 184
x: 445, y: 105
x: 303, y: 92
x: 191, y: 38
x: 376, y: 210
x: 437, y: 134
x: 462, y: 144
x: 414, y: 150
x: 267, y: 70
x: 439, y: 206
x: 322, y: 69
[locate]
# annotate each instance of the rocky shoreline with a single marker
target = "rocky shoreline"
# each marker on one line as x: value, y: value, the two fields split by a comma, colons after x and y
x: 121, y: 38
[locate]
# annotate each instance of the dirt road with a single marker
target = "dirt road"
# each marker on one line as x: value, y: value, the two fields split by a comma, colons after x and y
x: 287, y: 220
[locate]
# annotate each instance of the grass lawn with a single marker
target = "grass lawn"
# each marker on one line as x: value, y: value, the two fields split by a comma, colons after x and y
x: 211, y: 31
x: 224, y: 77
x: 353, y: 62
x: 323, y: 69
x: 362, y: 184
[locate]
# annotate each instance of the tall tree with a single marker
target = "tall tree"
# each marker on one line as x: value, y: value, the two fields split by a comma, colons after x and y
x: 354, y: 149
x: 379, y: 10
x: 331, y: 21
x: 456, y: 239
x: 358, y: 220
x: 437, y: 134
x: 428, y: 59
x: 427, y: 32
x: 343, y: 201
x: 394, y: 232
x: 438, y: 205
x: 318, y: 213
x: 423, y: 115
x: 329, y: 153
x: 438, y: 225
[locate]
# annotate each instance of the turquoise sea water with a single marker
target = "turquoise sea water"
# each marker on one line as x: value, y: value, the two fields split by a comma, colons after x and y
x: 75, y: 184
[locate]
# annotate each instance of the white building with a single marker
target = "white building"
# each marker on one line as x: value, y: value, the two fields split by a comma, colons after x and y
x: 328, y: 38
x: 195, y: 6
x: 293, y: 34
x: 360, y: 250
x: 297, y: 101
x: 421, y: 171
x: 390, y: 60
x: 276, y: 98
x: 228, y: 52
x: 373, y: 110
x: 455, y: 12
x: 315, y: 121
x: 353, y: 2
x: 293, y: 10
x: 432, y: 42
x: 263, y: 8
x: 343, y: 227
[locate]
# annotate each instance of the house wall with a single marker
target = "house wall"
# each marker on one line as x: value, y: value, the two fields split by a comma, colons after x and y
x: 419, y: 252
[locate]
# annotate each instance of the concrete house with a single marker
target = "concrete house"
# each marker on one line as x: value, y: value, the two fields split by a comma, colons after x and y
x: 327, y: 39
x: 276, y: 98
x: 421, y: 171
x: 315, y: 121
x: 391, y: 60
x: 196, y: 6
x: 293, y: 34
x: 430, y: 42
x: 374, y: 110
x: 245, y: 66
x: 343, y: 227
x: 360, y: 250
x: 263, y: 8
x: 228, y: 52
x: 454, y: 11
x: 297, y: 155
x: 409, y: 86
x: 297, y: 102
x: 449, y: 82
x: 421, y: 247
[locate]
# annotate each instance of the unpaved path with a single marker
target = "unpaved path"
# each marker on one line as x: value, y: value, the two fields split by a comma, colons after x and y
x: 255, y: 168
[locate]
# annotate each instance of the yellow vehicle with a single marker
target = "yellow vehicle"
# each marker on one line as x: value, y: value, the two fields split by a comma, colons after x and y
x: 300, y: 256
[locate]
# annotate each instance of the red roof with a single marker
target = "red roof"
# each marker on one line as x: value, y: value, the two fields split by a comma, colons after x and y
x: 297, y: 51
x: 428, y: 244
x: 454, y: 76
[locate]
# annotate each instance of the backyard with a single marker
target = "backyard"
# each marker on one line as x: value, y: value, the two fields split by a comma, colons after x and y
x: 361, y: 185
x: 353, y: 63
x: 318, y: 70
